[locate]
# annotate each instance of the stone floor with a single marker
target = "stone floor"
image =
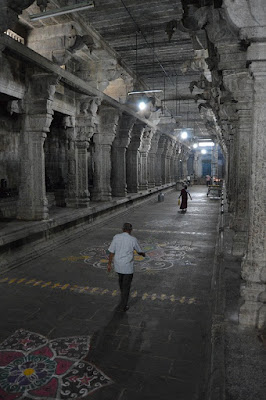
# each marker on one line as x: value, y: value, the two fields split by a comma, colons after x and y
x: 63, y: 339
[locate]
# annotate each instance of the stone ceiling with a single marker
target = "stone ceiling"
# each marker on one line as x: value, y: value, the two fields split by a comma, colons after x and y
x: 148, y: 38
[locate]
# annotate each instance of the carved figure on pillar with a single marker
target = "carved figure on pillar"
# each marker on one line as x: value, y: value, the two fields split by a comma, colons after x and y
x: 144, y: 148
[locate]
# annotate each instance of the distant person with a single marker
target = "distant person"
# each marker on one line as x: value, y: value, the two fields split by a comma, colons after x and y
x: 184, y: 196
x: 208, y: 180
x: 188, y: 180
x: 122, y: 251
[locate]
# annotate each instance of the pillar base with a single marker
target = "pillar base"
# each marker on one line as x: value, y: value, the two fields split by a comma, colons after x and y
x: 143, y: 186
x: 239, y: 244
x: 25, y: 214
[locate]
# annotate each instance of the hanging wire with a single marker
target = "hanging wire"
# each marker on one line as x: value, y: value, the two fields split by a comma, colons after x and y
x: 176, y: 95
x: 153, y: 61
x: 136, y: 55
x: 144, y: 37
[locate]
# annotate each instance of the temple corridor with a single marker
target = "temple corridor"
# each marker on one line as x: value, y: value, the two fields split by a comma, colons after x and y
x: 161, y: 345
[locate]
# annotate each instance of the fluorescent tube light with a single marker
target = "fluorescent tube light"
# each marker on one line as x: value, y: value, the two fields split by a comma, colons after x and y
x: 61, y: 11
x: 146, y: 91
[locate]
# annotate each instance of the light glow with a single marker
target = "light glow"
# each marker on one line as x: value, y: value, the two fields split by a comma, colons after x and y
x: 195, y: 145
x: 203, y: 151
x: 142, y: 105
x: 184, y: 135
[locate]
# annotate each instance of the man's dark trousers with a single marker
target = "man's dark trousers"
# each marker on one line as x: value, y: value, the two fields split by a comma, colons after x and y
x: 124, y: 284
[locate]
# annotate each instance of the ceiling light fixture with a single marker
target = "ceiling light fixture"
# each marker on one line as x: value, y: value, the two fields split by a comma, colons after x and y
x: 64, y: 10
x: 184, y: 135
x: 145, y: 91
x: 142, y: 105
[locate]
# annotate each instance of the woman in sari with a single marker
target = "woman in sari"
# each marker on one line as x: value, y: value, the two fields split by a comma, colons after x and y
x: 184, y: 195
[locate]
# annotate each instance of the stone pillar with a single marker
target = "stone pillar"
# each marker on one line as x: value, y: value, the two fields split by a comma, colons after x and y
x: 158, y: 166
x: 152, y: 160
x: 71, y: 187
x: 119, y: 148
x: 133, y: 161
x: 253, y: 311
x: 198, y: 165
x: 32, y: 204
x: 185, y: 171
x: 240, y: 85
x: 171, y: 161
x: 214, y: 161
x: 143, y: 152
x: 165, y: 161
x: 86, y: 126
x: 103, y: 139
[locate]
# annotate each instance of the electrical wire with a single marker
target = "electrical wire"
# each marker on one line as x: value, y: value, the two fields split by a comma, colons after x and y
x: 144, y: 37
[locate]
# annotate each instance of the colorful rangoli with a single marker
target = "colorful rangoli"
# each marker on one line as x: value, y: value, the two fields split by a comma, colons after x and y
x: 33, y: 367
x: 158, y: 256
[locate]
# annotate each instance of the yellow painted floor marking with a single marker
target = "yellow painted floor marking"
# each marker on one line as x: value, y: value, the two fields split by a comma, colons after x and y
x: 98, y: 290
x: 30, y: 281
x: 64, y: 287
x: 37, y: 283
x: 46, y: 284
x: 74, y: 287
x: 83, y: 289
x: 21, y: 280
x: 56, y: 285
x: 93, y: 290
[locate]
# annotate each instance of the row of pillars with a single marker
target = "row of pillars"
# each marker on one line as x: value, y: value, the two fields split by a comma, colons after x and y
x: 128, y: 155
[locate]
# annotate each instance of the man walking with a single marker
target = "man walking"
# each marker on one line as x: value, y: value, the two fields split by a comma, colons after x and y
x: 122, y: 250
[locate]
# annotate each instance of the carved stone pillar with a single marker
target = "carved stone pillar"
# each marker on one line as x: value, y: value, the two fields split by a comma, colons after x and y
x: 198, y: 164
x: 158, y: 166
x: 86, y: 126
x: 32, y: 204
x: 71, y: 188
x: 185, y: 171
x: 152, y: 160
x: 240, y: 85
x: 119, y: 148
x: 253, y: 311
x: 103, y: 139
x: 214, y: 161
x: 171, y: 162
x: 133, y: 161
x: 165, y: 161
x: 143, y: 152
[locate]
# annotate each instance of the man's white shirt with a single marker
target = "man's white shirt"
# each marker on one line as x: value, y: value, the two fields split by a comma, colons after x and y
x: 123, y: 246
